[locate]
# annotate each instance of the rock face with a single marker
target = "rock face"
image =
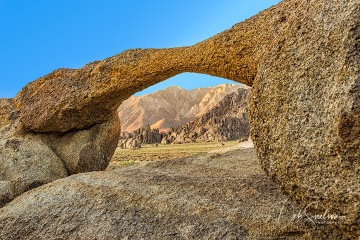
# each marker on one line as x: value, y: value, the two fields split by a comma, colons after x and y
x: 26, y: 161
x: 7, y: 111
x: 144, y: 135
x: 228, y: 120
x: 302, y: 59
x: 193, y: 198
x: 29, y: 160
x: 171, y: 107
x: 305, y: 108
x: 89, y: 149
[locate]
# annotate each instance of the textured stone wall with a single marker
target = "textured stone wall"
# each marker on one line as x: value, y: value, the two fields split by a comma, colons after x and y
x: 305, y: 112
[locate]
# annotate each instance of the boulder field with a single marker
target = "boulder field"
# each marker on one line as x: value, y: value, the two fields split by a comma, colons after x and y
x: 302, y: 60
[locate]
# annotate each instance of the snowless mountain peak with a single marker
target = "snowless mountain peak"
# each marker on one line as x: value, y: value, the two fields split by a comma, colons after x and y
x: 172, y: 106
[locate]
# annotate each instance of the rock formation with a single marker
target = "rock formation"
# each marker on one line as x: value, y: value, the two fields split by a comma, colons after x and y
x: 226, y: 121
x: 144, y: 135
x: 305, y: 107
x: 25, y: 161
x: 29, y: 160
x: 171, y: 107
x: 302, y: 59
x: 88, y: 149
x: 192, y: 198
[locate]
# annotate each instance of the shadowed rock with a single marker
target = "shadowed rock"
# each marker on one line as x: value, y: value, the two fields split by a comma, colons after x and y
x: 26, y: 161
x: 29, y: 160
x: 89, y: 149
x: 302, y: 58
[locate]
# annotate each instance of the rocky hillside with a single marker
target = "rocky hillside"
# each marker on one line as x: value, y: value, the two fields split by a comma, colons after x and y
x: 228, y: 120
x: 172, y: 106
x: 143, y: 135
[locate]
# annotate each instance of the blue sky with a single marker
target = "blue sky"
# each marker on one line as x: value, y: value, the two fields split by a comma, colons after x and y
x: 40, y: 36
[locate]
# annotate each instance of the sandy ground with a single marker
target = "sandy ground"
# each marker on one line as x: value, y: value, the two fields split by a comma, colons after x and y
x: 242, y: 145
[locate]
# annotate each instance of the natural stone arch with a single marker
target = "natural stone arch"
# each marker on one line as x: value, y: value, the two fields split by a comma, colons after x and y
x: 302, y: 59
x: 68, y: 99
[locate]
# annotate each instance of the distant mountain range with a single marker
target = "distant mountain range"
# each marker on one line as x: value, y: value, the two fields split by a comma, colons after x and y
x: 171, y: 107
x: 227, y: 120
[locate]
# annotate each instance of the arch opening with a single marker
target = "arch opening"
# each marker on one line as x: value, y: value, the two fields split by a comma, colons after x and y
x: 198, y: 111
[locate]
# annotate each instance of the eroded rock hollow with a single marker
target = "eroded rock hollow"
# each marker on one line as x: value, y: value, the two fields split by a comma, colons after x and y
x: 302, y: 59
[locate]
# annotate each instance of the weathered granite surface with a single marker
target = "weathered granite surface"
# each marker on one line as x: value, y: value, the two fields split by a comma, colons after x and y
x: 305, y: 108
x: 26, y: 161
x: 204, y: 197
x: 29, y: 160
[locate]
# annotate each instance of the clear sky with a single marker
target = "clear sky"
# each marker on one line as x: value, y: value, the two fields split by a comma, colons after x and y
x: 40, y: 36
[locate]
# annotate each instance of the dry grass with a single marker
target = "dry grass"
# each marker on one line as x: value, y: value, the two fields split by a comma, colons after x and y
x: 150, y: 152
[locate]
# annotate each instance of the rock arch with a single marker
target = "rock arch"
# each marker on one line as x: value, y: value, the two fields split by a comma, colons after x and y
x: 302, y: 58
